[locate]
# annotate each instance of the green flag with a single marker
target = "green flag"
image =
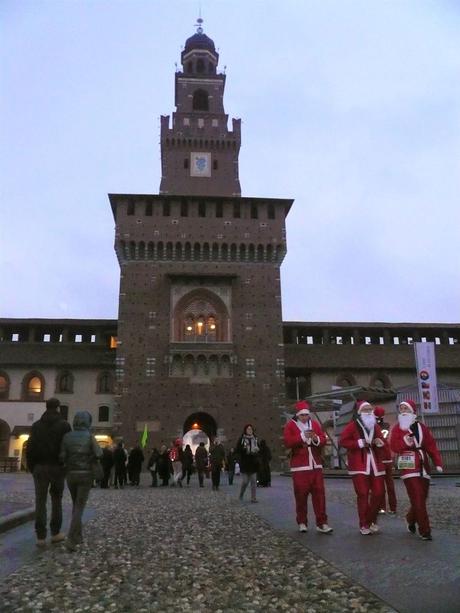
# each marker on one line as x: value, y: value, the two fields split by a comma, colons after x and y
x: 144, y: 437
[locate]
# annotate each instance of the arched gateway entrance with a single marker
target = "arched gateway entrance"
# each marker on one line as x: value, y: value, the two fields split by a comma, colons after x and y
x: 199, y: 427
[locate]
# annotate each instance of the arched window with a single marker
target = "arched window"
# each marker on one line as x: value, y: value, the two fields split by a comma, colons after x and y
x: 201, y: 316
x: 104, y: 412
x: 34, y: 386
x: 189, y: 67
x: 4, y: 386
x: 380, y: 380
x: 200, y: 67
x: 64, y: 384
x: 200, y: 100
x: 345, y: 380
x: 104, y: 383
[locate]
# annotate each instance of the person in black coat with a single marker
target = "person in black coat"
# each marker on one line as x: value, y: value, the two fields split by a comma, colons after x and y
x: 187, y: 463
x: 107, y: 464
x: 230, y: 462
x: 216, y: 459
x: 264, y: 478
x: 42, y: 454
x: 201, y: 462
x: 248, y: 452
x: 119, y: 462
x: 135, y: 460
x: 164, y: 466
x: 152, y: 465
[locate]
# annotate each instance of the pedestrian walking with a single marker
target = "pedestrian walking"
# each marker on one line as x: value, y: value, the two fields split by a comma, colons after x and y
x: 304, y: 438
x: 175, y: 455
x: 79, y: 452
x: 119, y: 462
x: 248, y: 451
x: 164, y: 466
x: 414, y: 444
x: 217, y: 461
x: 187, y: 464
x: 264, y: 477
x: 152, y: 465
x: 230, y: 462
x: 389, y: 502
x: 135, y: 461
x: 42, y: 454
x: 107, y: 464
x: 201, y: 462
x: 364, y: 442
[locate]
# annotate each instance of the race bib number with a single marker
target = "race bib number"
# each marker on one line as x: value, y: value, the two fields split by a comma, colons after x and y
x: 406, y: 461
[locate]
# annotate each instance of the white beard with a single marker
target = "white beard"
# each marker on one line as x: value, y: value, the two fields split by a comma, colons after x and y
x: 406, y: 420
x: 368, y: 421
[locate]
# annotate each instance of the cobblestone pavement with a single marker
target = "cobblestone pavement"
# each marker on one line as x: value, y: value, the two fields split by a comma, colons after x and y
x: 443, y: 501
x: 183, y: 549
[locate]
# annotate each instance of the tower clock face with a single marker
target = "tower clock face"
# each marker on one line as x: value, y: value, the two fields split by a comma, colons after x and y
x: 200, y: 164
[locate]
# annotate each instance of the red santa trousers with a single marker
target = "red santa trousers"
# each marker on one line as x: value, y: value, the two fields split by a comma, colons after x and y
x: 390, y: 490
x: 370, y: 491
x: 417, y: 490
x: 309, y: 482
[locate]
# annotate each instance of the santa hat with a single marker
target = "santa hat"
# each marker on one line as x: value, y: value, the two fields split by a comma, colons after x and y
x: 408, y: 404
x: 379, y: 412
x: 302, y: 408
x: 363, y: 404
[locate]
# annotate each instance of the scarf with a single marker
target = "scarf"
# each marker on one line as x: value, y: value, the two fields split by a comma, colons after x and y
x: 250, y: 444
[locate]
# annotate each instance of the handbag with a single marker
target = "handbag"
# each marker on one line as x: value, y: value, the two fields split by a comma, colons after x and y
x: 98, y: 473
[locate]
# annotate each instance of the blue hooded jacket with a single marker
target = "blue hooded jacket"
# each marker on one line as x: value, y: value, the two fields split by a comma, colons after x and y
x: 79, y: 448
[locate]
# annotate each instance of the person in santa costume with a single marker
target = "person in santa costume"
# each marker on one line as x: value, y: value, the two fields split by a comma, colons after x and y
x: 387, y: 460
x: 413, y: 442
x: 304, y: 438
x: 364, y: 442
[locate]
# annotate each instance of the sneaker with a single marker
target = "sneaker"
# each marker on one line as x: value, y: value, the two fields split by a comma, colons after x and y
x: 426, y: 537
x: 382, y: 512
x: 391, y: 512
x: 41, y: 542
x: 324, y: 529
x: 374, y: 528
x: 411, y: 528
x: 365, y: 531
x: 303, y: 528
x: 57, y: 538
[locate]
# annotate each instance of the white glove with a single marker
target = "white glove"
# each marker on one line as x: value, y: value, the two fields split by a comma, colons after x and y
x: 439, y: 469
x: 378, y: 442
x: 408, y: 440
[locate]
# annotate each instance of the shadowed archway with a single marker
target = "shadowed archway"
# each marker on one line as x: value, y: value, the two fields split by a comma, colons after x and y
x: 201, y: 421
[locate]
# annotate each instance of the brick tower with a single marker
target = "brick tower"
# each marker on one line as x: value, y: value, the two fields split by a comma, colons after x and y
x: 200, y: 330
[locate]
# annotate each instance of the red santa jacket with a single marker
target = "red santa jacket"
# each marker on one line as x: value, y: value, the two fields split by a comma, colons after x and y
x: 413, y: 455
x: 363, y: 459
x: 304, y: 456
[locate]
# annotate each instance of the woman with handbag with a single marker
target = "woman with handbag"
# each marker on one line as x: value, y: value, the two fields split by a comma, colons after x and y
x: 80, y: 454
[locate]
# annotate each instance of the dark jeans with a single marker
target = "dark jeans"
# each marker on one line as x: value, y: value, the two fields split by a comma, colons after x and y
x: 215, y: 476
x: 135, y: 477
x: 231, y: 474
x: 186, y: 472
x: 154, y: 478
x: 79, y: 484
x: 48, y: 476
x: 106, y: 477
x: 120, y: 476
x: 201, y: 477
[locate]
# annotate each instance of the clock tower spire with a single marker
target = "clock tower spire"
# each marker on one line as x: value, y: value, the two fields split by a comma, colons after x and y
x: 199, y: 154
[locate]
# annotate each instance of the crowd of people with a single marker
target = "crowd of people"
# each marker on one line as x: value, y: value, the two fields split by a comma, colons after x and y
x: 56, y: 453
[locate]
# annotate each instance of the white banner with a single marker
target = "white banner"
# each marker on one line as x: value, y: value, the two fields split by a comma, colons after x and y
x: 426, y: 377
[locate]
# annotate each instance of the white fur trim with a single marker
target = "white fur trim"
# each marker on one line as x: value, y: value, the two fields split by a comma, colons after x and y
x: 407, y: 406
x: 364, y: 405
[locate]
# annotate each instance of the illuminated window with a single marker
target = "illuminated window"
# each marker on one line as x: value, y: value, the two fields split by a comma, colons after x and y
x: 113, y: 342
x: 33, y: 386
x: 4, y: 386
